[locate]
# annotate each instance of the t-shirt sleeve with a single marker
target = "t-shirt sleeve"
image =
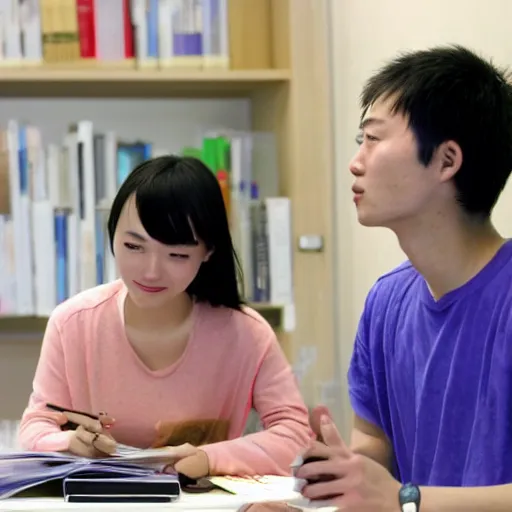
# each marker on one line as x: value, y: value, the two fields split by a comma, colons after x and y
x: 361, y: 373
x: 39, y: 431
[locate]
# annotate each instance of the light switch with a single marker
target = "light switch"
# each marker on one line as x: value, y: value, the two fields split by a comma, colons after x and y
x: 311, y: 243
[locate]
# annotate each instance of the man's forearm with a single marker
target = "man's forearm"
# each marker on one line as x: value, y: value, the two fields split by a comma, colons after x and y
x: 466, y: 499
x: 375, y: 453
x: 370, y: 441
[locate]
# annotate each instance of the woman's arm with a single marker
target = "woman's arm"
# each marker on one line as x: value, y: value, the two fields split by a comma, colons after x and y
x: 39, y: 427
x: 285, y: 419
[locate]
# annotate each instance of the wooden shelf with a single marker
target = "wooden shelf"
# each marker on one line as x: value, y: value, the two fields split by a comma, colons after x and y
x: 58, y: 82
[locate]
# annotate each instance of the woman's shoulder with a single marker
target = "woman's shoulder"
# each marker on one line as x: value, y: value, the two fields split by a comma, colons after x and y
x: 90, y: 302
x: 244, y: 325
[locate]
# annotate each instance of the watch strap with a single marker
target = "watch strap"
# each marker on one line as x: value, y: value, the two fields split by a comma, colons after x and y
x: 409, y: 497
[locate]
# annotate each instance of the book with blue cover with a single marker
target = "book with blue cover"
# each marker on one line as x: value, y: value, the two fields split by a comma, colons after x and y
x: 129, y: 475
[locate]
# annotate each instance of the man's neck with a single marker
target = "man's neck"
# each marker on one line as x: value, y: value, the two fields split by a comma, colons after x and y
x: 448, y: 252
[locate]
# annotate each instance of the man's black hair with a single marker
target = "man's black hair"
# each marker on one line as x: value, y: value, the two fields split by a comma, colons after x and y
x: 450, y: 93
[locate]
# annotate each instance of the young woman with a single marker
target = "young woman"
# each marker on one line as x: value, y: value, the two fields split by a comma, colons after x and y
x: 169, y: 350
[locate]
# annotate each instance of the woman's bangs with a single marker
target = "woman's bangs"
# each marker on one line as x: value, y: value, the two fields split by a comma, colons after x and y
x: 164, y: 216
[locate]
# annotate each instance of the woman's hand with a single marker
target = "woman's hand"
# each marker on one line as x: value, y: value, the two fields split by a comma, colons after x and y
x: 91, y: 438
x: 189, y: 461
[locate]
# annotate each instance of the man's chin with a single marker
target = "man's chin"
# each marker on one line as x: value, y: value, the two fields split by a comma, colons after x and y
x: 369, y: 221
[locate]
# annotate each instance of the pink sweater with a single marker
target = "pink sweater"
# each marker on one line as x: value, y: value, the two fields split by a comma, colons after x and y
x: 232, y: 362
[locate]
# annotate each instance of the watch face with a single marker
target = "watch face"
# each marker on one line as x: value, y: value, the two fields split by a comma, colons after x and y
x: 409, y: 494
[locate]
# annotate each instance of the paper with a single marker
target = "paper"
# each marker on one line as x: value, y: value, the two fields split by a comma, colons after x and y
x: 129, y: 454
x: 269, y: 485
x: 275, y: 491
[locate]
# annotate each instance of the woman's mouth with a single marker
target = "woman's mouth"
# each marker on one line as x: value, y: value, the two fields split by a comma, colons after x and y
x: 150, y: 289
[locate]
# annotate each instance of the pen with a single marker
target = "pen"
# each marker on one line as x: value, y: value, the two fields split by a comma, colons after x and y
x: 71, y: 425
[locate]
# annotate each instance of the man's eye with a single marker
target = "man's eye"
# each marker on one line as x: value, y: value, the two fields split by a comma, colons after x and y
x: 362, y: 136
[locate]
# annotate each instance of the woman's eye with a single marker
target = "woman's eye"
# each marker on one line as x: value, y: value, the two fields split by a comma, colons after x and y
x: 178, y: 256
x: 132, y: 247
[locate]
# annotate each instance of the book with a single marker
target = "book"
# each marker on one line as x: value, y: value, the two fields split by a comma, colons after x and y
x: 100, y: 487
x: 143, y: 472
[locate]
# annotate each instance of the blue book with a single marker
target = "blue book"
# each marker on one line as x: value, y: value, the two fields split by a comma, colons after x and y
x: 61, y: 248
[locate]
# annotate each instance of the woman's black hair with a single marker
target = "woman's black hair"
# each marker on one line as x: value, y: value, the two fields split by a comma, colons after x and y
x: 179, y: 199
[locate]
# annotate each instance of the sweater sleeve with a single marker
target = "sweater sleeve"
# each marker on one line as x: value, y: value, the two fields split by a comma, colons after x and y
x: 285, y: 419
x: 39, y: 430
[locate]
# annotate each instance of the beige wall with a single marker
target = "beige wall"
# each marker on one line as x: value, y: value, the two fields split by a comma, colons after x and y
x: 365, y: 33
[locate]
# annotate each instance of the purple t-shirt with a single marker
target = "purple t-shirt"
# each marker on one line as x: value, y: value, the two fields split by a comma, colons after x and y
x: 436, y: 377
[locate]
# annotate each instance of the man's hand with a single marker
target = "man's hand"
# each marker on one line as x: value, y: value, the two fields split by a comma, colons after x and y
x: 91, y: 438
x: 356, y: 483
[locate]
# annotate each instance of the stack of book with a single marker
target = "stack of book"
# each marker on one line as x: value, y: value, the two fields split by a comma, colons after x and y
x: 55, y: 200
x: 135, y: 477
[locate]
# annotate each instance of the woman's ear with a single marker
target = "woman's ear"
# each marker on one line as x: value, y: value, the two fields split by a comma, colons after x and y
x: 208, y: 255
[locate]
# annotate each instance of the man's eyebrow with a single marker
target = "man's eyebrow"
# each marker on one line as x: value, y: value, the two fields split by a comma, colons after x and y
x: 370, y: 120
x: 136, y: 235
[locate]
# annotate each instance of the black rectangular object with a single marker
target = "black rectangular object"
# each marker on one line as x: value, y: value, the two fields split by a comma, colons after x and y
x: 147, y: 485
x: 78, y: 498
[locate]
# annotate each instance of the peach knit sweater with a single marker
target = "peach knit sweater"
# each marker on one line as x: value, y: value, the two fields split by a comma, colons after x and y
x: 232, y: 362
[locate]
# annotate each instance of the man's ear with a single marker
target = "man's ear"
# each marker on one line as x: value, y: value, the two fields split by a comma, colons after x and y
x: 449, y: 156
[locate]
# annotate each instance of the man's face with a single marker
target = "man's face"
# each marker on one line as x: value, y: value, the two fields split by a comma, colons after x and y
x: 391, y: 185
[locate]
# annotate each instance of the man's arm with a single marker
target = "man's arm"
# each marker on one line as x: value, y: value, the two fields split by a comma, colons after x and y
x: 369, y: 440
x: 497, y: 498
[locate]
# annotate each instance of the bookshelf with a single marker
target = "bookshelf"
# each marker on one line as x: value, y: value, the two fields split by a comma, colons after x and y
x: 283, y: 71
x: 80, y: 81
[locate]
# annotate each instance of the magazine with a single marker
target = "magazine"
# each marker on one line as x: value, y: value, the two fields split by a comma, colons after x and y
x: 20, y: 471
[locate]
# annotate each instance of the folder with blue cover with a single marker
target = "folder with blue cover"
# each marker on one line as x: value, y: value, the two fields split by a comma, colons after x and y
x: 138, y: 478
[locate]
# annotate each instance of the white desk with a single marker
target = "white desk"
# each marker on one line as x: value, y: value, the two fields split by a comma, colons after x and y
x: 212, y: 502
x: 215, y: 501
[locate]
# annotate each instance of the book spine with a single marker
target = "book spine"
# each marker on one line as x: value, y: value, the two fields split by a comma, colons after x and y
x: 61, y: 244
x: 188, y: 34
x: 86, y: 28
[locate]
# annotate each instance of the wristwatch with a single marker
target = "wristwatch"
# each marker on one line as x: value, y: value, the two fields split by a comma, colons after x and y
x: 410, y: 498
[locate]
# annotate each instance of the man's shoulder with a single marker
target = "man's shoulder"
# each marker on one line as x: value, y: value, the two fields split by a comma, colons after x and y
x: 398, y: 282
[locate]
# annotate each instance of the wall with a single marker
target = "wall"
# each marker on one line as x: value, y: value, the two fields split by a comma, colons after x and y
x: 364, y: 34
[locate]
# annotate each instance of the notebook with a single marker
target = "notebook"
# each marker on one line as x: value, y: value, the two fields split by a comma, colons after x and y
x: 98, y: 487
x: 25, y: 471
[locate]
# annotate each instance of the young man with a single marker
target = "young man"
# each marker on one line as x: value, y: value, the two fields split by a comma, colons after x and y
x: 430, y: 379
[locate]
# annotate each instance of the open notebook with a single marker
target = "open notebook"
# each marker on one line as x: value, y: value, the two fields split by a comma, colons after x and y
x: 24, y: 472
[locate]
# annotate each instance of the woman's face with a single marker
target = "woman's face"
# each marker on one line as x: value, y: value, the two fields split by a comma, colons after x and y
x: 154, y: 273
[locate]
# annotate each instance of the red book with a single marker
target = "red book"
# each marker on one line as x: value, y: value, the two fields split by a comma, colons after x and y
x: 86, y: 28
x: 129, y: 52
